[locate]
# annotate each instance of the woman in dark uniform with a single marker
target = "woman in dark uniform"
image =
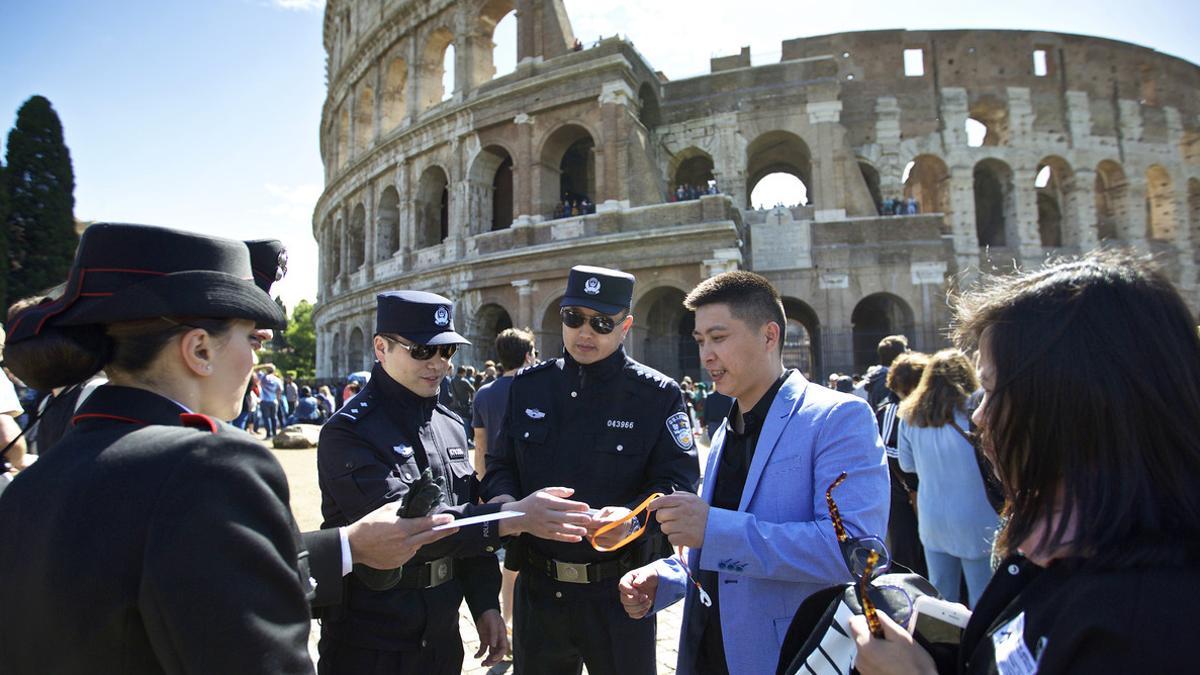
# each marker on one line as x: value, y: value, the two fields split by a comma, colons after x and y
x: 1090, y: 372
x: 155, y: 538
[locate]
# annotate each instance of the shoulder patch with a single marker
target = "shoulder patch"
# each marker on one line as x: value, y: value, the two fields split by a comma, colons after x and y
x: 357, y: 407
x: 527, y: 370
x: 198, y: 421
x: 681, y: 430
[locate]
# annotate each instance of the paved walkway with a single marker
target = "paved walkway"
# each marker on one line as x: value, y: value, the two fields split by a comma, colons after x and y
x: 301, y: 469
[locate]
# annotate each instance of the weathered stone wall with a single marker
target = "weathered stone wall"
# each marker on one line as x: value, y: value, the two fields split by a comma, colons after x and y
x: 459, y: 192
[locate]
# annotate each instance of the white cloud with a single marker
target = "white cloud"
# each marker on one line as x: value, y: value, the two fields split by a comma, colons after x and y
x: 292, y: 204
x: 299, y: 5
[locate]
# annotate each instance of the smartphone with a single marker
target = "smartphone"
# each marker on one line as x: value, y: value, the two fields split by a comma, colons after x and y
x: 940, y: 621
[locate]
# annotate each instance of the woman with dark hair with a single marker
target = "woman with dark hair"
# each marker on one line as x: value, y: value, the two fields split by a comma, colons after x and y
x: 1091, y: 377
x: 957, y: 524
x: 155, y: 538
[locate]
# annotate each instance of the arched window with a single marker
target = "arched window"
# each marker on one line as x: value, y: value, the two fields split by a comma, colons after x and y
x: 357, y: 239
x: 995, y: 207
x: 667, y: 341
x: 364, y: 118
x: 572, y: 150
x: 927, y: 181
x: 490, y: 320
x: 874, y: 318
x: 498, y: 19
x: 393, y: 104
x: 1160, y: 204
x: 871, y: 178
x: 801, y: 342
x: 432, y: 207
x: 356, y: 358
x: 388, y: 242
x: 436, y: 83
x: 694, y: 171
x: 1112, y: 200
x: 778, y: 170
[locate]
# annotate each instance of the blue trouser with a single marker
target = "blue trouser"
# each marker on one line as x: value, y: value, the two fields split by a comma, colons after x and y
x: 946, y: 571
x: 270, y: 422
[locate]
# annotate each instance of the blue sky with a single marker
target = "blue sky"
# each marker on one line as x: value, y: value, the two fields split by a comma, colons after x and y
x: 204, y: 115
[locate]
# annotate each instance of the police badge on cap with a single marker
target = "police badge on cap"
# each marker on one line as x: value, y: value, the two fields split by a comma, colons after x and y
x: 604, y: 290
x: 424, y: 318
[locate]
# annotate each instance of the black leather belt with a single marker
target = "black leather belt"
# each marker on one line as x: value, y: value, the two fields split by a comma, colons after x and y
x: 577, y: 573
x: 427, y: 575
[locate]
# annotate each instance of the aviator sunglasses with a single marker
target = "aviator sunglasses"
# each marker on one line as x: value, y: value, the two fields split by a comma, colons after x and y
x: 600, y: 323
x: 423, y: 352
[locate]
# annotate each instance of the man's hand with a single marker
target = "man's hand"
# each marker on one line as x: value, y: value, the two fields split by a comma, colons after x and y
x: 606, y: 515
x: 895, y: 654
x: 638, y: 589
x: 493, y: 637
x: 548, y: 515
x: 385, y: 541
x: 683, y: 517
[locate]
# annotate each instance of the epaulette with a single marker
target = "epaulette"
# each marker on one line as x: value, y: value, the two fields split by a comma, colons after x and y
x: 453, y: 415
x: 647, y: 375
x: 527, y: 370
x: 198, y: 421
x: 358, y: 406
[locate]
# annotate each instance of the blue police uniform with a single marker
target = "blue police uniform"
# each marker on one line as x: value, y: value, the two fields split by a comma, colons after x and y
x: 372, y: 452
x: 616, y: 431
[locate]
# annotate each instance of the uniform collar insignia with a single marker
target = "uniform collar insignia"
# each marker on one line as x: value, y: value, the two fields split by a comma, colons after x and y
x: 534, y: 413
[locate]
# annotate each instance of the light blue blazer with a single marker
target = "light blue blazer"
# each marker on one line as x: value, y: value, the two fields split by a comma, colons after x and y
x: 779, y: 547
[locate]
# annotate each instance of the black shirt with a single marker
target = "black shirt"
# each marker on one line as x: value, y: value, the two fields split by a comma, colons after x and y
x: 737, y: 452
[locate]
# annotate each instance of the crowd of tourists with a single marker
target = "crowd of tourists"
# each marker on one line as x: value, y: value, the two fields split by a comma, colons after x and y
x: 1034, y: 484
x: 687, y: 192
x: 896, y: 206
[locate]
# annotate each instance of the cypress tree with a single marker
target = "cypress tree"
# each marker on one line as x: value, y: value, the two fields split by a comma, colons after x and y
x: 3, y: 242
x: 41, y: 193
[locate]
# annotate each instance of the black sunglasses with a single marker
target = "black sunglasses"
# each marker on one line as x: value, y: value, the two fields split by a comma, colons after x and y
x: 600, y: 323
x: 424, y: 352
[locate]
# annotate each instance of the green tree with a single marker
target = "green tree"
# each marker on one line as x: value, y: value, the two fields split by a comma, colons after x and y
x: 3, y: 240
x: 41, y: 193
x: 295, y: 349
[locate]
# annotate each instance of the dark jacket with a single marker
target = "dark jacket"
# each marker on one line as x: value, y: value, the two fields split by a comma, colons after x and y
x: 142, y: 545
x: 369, y: 454
x: 1079, y: 618
x: 604, y: 429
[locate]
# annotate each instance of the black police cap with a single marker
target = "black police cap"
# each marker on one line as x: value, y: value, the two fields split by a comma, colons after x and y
x: 268, y: 262
x: 599, y: 288
x: 424, y: 318
x: 126, y: 272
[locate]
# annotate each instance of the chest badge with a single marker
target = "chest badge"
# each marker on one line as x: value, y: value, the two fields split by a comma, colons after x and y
x: 681, y: 430
x: 456, y: 453
x: 534, y: 413
x: 620, y: 424
x: 403, y: 450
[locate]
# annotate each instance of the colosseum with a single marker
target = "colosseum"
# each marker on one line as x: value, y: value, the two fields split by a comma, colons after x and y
x: 1003, y: 147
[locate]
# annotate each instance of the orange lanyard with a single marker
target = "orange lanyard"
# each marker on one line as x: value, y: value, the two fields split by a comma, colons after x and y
x: 644, y: 506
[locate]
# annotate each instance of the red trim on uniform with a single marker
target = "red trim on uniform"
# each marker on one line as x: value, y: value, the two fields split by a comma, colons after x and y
x: 75, y: 420
x: 198, y: 421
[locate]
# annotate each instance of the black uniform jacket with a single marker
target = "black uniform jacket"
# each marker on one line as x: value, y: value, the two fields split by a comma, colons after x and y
x: 1073, y: 617
x: 369, y: 454
x: 616, y: 431
x: 144, y: 545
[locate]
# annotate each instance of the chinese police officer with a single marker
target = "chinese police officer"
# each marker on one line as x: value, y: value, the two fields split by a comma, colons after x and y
x: 611, y: 432
x: 384, y: 446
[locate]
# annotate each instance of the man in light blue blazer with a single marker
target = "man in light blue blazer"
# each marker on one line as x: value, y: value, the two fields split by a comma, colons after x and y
x: 760, y: 536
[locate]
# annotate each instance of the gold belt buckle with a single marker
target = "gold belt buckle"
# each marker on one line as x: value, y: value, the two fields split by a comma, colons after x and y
x: 440, y: 572
x: 572, y: 573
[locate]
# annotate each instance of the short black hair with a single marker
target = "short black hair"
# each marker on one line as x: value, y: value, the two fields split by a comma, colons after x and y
x: 513, y: 345
x: 890, y: 347
x: 749, y: 296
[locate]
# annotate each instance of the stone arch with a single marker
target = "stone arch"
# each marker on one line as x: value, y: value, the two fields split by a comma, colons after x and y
x: 393, y: 102
x: 491, y: 15
x: 335, y: 252
x: 430, y: 86
x: 778, y: 152
x: 433, y: 207
x: 1112, y: 200
x: 570, y: 152
x: 343, y: 137
x: 490, y: 320
x: 364, y: 118
x: 693, y: 166
x: 355, y: 354
x: 992, y: 113
x: 336, y: 362
x: 387, y: 240
x: 870, y: 176
x: 649, y: 113
x: 1193, y: 205
x: 666, y: 337
x: 549, y: 333
x: 491, y: 190
x: 875, y: 317
x: 1057, y: 204
x: 995, y: 204
x: 802, y: 340
x: 1161, y: 223
x: 928, y: 182
x: 356, y: 240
